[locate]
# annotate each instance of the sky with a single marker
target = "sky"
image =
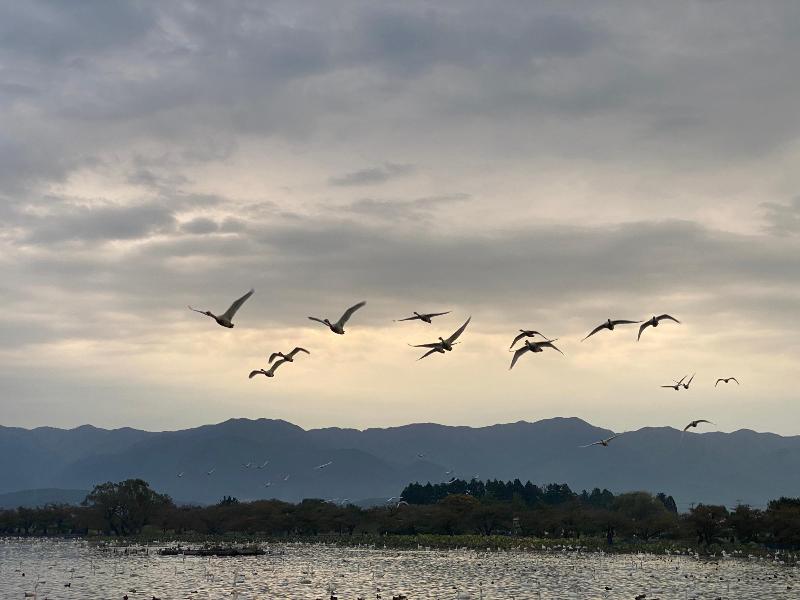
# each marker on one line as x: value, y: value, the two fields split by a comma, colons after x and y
x: 533, y: 165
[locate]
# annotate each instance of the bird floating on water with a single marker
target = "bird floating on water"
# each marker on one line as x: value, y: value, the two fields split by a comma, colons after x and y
x: 269, y: 372
x: 609, y: 324
x: 532, y: 347
x: 601, y: 442
x: 226, y: 318
x: 696, y: 423
x: 287, y: 357
x: 338, y: 327
x: 424, y: 317
x: 726, y: 380
x: 654, y: 323
x: 523, y: 333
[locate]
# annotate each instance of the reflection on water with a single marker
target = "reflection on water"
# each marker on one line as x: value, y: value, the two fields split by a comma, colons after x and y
x: 300, y: 571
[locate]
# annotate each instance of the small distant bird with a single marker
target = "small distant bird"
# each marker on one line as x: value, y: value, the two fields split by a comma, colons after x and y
x: 677, y: 384
x: 450, y: 472
x: 269, y: 372
x: 286, y: 478
x: 327, y: 464
x: 686, y: 385
x: 654, y: 323
x: 180, y: 474
x: 532, y: 347
x: 452, y: 479
x: 601, y: 442
x: 211, y: 471
x: 247, y: 465
x: 262, y: 465
x: 726, y: 380
x: 267, y: 484
x: 696, y: 423
x: 226, y: 318
x: 287, y: 357
x: 443, y: 344
x: 424, y: 317
x: 338, y: 327
x: 523, y: 333
x: 421, y: 455
x: 609, y: 325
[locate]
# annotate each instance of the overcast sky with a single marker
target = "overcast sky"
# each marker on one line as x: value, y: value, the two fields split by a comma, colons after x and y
x: 543, y: 166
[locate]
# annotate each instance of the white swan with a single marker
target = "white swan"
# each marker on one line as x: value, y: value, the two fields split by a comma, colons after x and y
x: 226, y: 318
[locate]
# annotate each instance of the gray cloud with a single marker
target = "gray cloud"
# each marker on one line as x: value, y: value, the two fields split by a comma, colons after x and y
x: 783, y: 219
x: 373, y: 175
x: 403, y: 210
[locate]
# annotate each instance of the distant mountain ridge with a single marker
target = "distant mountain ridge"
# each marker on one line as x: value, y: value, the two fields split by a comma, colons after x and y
x: 722, y: 468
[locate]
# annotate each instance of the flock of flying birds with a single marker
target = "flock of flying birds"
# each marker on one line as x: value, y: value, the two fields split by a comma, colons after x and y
x: 443, y: 345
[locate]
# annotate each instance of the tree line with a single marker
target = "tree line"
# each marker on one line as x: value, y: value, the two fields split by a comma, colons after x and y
x: 458, y: 507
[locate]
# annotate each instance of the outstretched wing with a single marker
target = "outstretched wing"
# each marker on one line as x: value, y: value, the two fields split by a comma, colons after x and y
x: 431, y: 345
x: 595, y: 330
x: 318, y: 320
x: 718, y: 380
x: 254, y: 373
x: 623, y: 322
x: 734, y: 379
x: 297, y: 350
x: 616, y: 435
x: 408, y: 319
x: 670, y: 386
x: 517, y: 354
x: 349, y: 313
x: 518, y: 338
x: 202, y: 312
x: 703, y: 421
x: 431, y: 315
x: 642, y: 327
x: 428, y: 353
x: 681, y: 380
x: 228, y: 314
x: 690, y: 380
x: 662, y: 317
x: 273, y: 356
x: 549, y: 344
x: 592, y: 444
x: 459, y: 331
x: 276, y: 364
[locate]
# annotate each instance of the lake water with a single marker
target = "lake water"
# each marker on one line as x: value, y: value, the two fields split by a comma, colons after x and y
x: 301, y: 571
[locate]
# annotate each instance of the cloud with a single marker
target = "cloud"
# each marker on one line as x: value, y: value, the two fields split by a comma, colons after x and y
x: 372, y: 175
x: 783, y: 219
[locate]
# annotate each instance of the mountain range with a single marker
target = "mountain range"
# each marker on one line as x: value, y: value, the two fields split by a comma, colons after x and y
x: 725, y: 468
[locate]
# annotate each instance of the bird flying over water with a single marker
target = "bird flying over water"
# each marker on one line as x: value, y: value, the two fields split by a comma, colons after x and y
x: 654, y: 323
x: 532, y: 347
x: 262, y: 465
x: 696, y: 423
x: 525, y: 333
x: 327, y: 464
x: 338, y: 327
x: 270, y: 372
x: 676, y: 386
x: 180, y: 474
x: 211, y: 471
x: 601, y: 442
x: 443, y: 344
x: 726, y: 380
x: 424, y: 317
x: 287, y: 357
x: 609, y: 325
x: 226, y: 318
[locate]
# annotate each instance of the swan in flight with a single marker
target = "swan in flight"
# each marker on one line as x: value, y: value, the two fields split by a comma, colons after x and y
x: 601, y: 442
x: 443, y: 344
x: 532, y: 347
x: 696, y: 423
x: 654, y: 323
x: 523, y: 333
x: 270, y: 372
x: 180, y: 474
x: 262, y: 465
x: 226, y: 318
x: 424, y: 317
x: 327, y: 464
x: 247, y: 465
x: 286, y: 478
x: 726, y: 380
x: 287, y: 357
x: 676, y: 386
x: 267, y: 484
x: 686, y: 385
x: 609, y: 325
x: 211, y: 471
x: 338, y: 327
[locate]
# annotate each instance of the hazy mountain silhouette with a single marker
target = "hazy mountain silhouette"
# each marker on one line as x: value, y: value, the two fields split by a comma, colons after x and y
x: 712, y: 467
